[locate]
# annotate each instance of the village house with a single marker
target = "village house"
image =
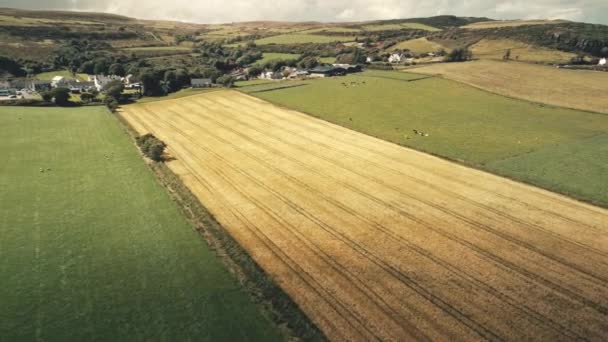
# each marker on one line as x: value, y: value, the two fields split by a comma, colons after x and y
x: 399, y: 57
x: 201, y: 83
x: 77, y: 87
x: 395, y: 58
x: 271, y: 75
x: 101, y: 80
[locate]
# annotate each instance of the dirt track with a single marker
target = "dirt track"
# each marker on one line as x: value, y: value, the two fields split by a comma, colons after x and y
x: 379, y: 242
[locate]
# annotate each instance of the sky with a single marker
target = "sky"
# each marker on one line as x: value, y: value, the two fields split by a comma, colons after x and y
x: 224, y: 11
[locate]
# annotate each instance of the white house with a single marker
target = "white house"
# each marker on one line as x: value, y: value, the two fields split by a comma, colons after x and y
x: 603, y: 62
x: 396, y: 58
x: 101, y: 81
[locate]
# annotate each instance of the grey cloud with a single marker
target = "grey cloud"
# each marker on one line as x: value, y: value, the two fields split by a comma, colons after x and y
x: 216, y: 11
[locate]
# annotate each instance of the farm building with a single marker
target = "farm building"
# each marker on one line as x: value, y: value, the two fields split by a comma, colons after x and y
x: 79, y: 87
x: 8, y: 92
x: 327, y: 71
x: 350, y: 68
x: 201, y: 83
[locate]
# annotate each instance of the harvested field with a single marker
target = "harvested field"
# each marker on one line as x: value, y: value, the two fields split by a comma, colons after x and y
x: 376, y: 241
x: 496, y: 48
x: 578, y: 89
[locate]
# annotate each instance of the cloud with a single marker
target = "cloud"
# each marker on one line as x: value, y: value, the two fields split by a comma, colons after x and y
x: 217, y: 11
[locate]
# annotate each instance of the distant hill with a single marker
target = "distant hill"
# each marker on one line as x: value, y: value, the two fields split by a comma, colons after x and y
x: 35, y: 35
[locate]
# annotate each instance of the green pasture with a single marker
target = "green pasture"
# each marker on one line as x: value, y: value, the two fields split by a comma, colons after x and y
x: 92, y: 248
x: 272, y: 56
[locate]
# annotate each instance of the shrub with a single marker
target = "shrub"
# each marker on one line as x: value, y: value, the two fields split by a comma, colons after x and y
x: 151, y: 146
x: 226, y: 80
x: 459, y: 55
x: 61, y: 96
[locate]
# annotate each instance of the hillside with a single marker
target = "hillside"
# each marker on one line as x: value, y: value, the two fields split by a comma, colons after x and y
x: 90, y: 43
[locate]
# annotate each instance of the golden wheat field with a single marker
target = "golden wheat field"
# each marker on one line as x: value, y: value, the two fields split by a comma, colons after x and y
x: 378, y: 242
x: 578, y: 89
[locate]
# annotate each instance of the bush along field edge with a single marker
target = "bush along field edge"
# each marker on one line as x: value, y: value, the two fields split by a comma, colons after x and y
x: 274, y: 302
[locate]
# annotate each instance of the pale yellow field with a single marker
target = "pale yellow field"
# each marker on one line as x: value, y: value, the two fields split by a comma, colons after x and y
x: 586, y: 90
x: 510, y: 23
x: 496, y: 48
x: 419, y: 46
x: 377, y: 242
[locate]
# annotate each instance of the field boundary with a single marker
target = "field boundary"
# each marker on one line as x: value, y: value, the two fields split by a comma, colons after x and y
x: 274, y: 302
x: 461, y: 162
x: 278, y: 88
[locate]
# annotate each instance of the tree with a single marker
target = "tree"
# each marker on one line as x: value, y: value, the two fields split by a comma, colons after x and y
x: 87, y: 97
x: 100, y: 67
x: 165, y: 87
x: 111, y: 103
x: 459, y: 55
x: 12, y: 67
x: 226, y: 80
x: 150, y: 80
x: 61, y: 96
x: 47, y: 96
x: 254, y: 71
x: 182, y: 78
x: 117, y: 69
x: 604, y: 51
x: 151, y: 146
x: 114, y: 89
x: 169, y: 83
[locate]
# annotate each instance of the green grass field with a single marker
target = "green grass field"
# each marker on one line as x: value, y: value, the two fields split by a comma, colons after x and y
x: 488, y: 131
x: 94, y: 249
x: 295, y: 38
x: 271, y: 56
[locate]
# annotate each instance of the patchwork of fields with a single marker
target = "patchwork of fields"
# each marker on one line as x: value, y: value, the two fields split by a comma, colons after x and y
x: 463, y: 123
x: 93, y: 249
x: 375, y: 241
